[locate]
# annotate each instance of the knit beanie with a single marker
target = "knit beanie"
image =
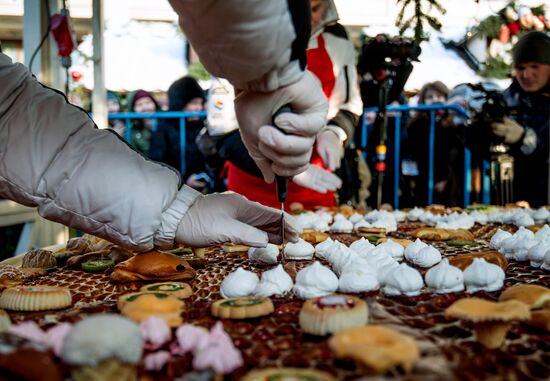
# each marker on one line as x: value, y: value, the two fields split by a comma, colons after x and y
x: 143, y: 94
x: 532, y: 47
x: 182, y: 92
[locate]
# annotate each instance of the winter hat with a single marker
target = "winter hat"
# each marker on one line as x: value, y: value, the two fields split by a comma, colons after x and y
x: 182, y: 92
x: 143, y: 94
x: 532, y: 47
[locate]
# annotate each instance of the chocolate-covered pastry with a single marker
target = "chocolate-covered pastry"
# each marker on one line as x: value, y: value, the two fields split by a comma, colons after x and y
x: 38, y: 258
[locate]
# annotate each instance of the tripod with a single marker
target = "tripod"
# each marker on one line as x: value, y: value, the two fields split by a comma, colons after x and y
x: 502, y: 175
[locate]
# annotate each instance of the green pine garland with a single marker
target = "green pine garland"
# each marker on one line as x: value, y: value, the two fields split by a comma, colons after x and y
x: 495, y: 67
x: 419, y: 19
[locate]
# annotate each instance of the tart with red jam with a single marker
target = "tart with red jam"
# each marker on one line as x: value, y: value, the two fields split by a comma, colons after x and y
x: 332, y: 313
x: 242, y: 308
x: 281, y: 374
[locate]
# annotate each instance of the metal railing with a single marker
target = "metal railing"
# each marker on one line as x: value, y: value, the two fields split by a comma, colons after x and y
x: 431, y: 145
x: 155, y: 116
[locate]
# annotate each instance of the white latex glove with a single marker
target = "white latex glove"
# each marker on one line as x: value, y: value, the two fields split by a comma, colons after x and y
x: 330, y: 147
x: 318, y: 179
x: 274, y: 151
x: 510, y: 130
x: 229, y: 217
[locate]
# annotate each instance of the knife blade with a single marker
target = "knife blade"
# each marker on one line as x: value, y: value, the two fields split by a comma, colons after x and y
x: 281, y: 182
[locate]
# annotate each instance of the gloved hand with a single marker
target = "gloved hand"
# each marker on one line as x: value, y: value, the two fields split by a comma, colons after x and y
x: 318, y: 179
x: 510, y: 130
x: 330, y: 147
x: 230, y: 217
x: 274, y: 151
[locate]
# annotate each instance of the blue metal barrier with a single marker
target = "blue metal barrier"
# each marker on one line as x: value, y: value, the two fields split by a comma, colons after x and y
x: 397, y: 147
x: 181, y: 115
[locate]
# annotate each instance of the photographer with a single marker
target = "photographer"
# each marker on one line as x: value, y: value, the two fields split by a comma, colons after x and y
x: 527, y: 132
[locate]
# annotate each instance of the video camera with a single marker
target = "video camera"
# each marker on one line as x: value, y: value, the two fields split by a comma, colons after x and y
x: 384, y: 57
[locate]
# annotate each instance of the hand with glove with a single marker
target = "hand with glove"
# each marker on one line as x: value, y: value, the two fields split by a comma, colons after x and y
x: 318, y: 179
x: 330, y: 146
x: 229, y: 217
x: 284, y: 153
x: 510, y: 130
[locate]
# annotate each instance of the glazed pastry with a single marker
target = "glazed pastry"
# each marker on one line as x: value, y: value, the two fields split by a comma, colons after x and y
x: 498, y: 238
x: 300, y: 250
x: 341, y: 226
x: 79, y: 245
x: 264, y: 255
x: 10, y: 276
x: 491, y: 320
x: 375, y: 348
x: 146, y: 305
x: 540, y: 319
x: 537, y: 252
x: 445, y: 278
x: 153, y: 265
x: 481, y: 275
x: 534, y: 296
x: 274, y: 282
x: 426, y: 257
x: 38, y: 258
x: 315, y: 280
x: 314, y: 236
x: 239, y: 283
x: 403, y: 279
x: 358, y: 279
x: 124, y: 299
x: 432, y: 234
x: 242, y: 308
x: 35, y: 298
x: 413, y: 249
x: 462, y: 261
x: 281, y: 373
x: 461, y: 234
x: 177, y: 289
x: 332, y: 313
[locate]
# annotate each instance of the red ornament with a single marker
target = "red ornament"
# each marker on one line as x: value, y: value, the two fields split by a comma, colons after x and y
x: 504, y: 36
x: 76, y: 75
x: 514, y: 27
x: 380, y: 166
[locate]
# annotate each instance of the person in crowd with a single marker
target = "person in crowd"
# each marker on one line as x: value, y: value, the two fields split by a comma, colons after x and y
x: 186, y: 95
x: 54, y: 158
x: 114, y: 105
x: 526, y: 132
x: 448, y: 158
x: 331, y: 58
x: 142, y: 129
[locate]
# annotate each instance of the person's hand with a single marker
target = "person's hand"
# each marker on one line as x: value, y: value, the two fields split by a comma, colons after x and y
x: 318, y: 179
x: 229, y: 217
x: 330, y: 147
x: 195, y: 183
x: 510, y: 130
x: 283, y: 153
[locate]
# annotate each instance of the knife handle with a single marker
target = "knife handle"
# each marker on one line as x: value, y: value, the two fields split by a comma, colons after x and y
x: 281, y: 181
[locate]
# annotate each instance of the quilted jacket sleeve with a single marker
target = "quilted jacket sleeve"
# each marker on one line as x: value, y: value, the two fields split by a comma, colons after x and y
x: 257, y: 45
x: 53, y: 157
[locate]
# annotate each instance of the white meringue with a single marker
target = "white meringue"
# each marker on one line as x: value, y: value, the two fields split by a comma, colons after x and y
x: 301, y: 250
x: 239, y: 283
x: 414, y: 248
x: 381, y: 262
x: 543, y: 234
x: 392, y: 248
x: 341, y: 226
x: 321, y: 248
x: 426, y: 257
x: 339, y: 256
x: 498, y: 238
x: 541, y: 215
x: 339, y: 217
x: 355, y: 218
x: 482, y: 275
x: 520, y: 251
x: 524, y: 220
x: 403, y: 280
x: 537, y: 253
x: 315, y: 280
x: 445, y: 278
x: 415, y: 213
x: 274, y: 282
x: 480, y: 217
x: 358, y: 279
x: 399, y: 215
x: 362, y: 224
x: 546, y: 262
x: 361, y: 246
x: 324, y: 216
x: 267, y: 255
